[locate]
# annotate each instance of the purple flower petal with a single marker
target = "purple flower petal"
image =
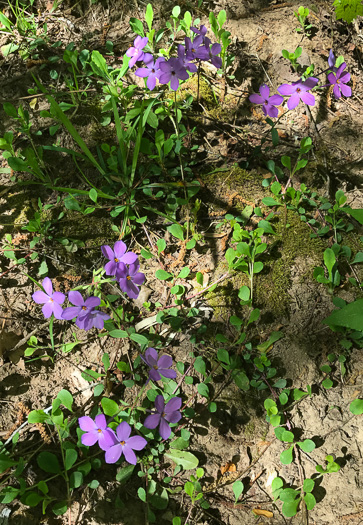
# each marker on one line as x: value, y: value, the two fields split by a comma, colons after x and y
x: 346, y: 90
x: 58, y: 297
x: 271, y: 110
x: 336, y: 91
x: 47, y: 310
x: 256, y: 99
x: 107, y: 251
x: 87, y: 424
x: 331, y: 78
x: 57, y: 311
x: 293, y: 101
x: 164, y: 429
x: 165, y: 361
x: 159, y: 404
x: 151, y: 356
x: 173, y: 404
x: 119, y: 249
x: 131, y: 289
x: 265, y: 91
x: 174, y: 83
x: 75, y: 298
x: 113, y: 454
x: 40, y: 297
x: 152, y: 421
x: 136, y: 442
x: 286, y: 89
x: 276, y: 100
x: 129, y: 258
x: 345, y: 78
x: 106, y: 439
x: 70, y: 312
x: 129, y: 454
x: 90, y: 438
x: 154, y: 375
x: 123, y: 431
x: 100, y: 421
x: 173, y: 417
x: 47, y: 285
x: 169, y: 374
x: 307, y: 98
x: 92, y: 301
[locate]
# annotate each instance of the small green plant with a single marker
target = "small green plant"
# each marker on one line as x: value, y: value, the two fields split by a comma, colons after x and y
x: 302, y: 14
x: 292, y: 57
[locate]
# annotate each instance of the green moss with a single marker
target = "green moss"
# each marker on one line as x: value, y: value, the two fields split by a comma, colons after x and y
x: 271, y: 287
x: 190, y: 87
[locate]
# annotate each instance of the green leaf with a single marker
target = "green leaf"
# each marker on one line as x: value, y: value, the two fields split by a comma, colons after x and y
x: 66, y: 399
x: 109, y: 406
x: 186, y: 459
x: 162, y: 275
x: 70, y: 458
x: 106, y: 361
x: 160, y: 501
x: 184, y: 272
x: 203, y: 390
x: 60, y: 508
x: 266, y: 226
x: 177, y: 231
x: 17, y: 164
x: 75, y: 479
x: 351, y: 316
x: 286, y: 456
x: 6, y: 462
x: 307, y: 445
x: 189, y: 488
x: 286, y: 162
x: 93, y: 194
x: 287, y: 436
x: 48, y: 462
x: 309, y: 500
x: 289, y: 508
x: 308, y: 485
x: 358, y: 258
x: 223, y: 355
x: 200, y: 278
x: 149, y: 16
x: 161, y: 244
x: 37, y: 416
x: 142, y: 494
x: 257, y: 267
x: 357, y: 214
x: 125, y: 473
x: 327, y: 383
x: 241, y: 380
x: 199, y: 365
x: 117, y: 334
x: 329, y: 259
x: 237, y: 489
x: 255, y: 314
x: 139, y: 339
x: 356, y: 407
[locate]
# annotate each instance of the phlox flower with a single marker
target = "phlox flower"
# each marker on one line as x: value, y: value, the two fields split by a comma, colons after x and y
x: 201, y: 31
x: 118, y: 257
x: 185, y: 61
x: 96, y: 430
x: 299, y: 91
x: 213, y: 51
x: 158, y: 366
x: 51, y: 300
x: 135, y: 52
x: 331, y: 61
x: 339, y: 80
x: 196, y: 50
x: 165, y: 414
x: 129, y: 278
x: 87, y: 315
x: 172, y: 71
x: 124, y: 444
x: 268, y: 103
x: 151, y: 71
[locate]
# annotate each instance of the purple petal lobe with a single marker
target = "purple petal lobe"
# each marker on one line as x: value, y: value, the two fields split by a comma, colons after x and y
x: 265, y: 91
x: 71, y: 312
x: 40, y: 297
x: 92, y: 301
x: 119, y: 249
x: 75, y: 298
x: 87, y: 424
x: 47, y: 310
x: 165, y: 361
x: 169, y: 374
x: 107, y: 251
x: 136, y: 442
x: 89, y: 439
x: 58, y: 297
x: 159, y: 404
x: 123, y: 431
x: 106, y: 439
x: 57, y: 310
x: 100, y: 421
x: 256, y: 99
x: 154, y: 375
x: 173, y: 417
x: 47, y: 285
x: 130, y: 455
x: 164, y: 429
x: 151, y: 356
x: 173, y: 404
x: 308, y: 98
x: 286, y: 89
x: 113, y: 454
x: 129, y: 258
x: 346, y: 90
x: 152, y: 421
x: 276, y: 100
x: 293, y: 101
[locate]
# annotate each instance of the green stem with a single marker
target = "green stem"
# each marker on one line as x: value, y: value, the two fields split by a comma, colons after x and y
x: 64, y: 463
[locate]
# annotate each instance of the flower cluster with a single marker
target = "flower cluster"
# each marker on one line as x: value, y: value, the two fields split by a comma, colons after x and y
x: 300, y: 90
x: 125, y: 267
x: 116, y: 443
x: 195, y: 50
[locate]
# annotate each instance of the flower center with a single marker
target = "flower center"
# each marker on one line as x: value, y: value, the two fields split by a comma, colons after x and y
x: 298, y: 90
x: 266, y: 102
x: 51, y: 300
x: 156, y: 367
x: 338, y: 81
x: 163, y: 414
x: 128, y: 277
x: 153, y: 71
x: 173, y: 73
x: 84, y: 307
x: 116, y: 260
x: 122, y: 443
x: 193, y: 50
x: 99, y: 430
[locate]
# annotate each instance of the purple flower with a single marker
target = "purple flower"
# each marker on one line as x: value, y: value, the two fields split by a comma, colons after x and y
x: 299, y: 91
x: 135, y: 52
x: 159, y: 367
x: 201, y: 31
x: 87, y: 316
x: 168, y: 413
x: 338, y: 81
x: 130, y: 278
x: 96, y: 430
x: 185, y: 61
x: 124, y: 444
x: 51, y: 300
x: 213, y: 52
x: 196, y: 50
x: 118, y: 257
x: 173, y: 71
x: 268, y: 103
x: 151, y: 71
x: 331, y: 61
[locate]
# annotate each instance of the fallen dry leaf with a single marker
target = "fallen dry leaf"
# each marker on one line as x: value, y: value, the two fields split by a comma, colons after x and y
x: 260, y: 512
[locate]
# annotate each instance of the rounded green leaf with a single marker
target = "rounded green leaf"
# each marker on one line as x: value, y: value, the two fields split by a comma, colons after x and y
x: 286, y: 456
x: 110, y: 407
x: 48, y: 462
x: 162, y: 275
x: 308, y: 485
x: 310, y: 501
x: 289, y: 508
x: 307, y: 445
x: 356, y: 407
x: 186, y: 459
